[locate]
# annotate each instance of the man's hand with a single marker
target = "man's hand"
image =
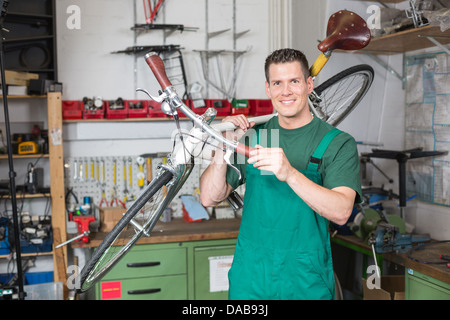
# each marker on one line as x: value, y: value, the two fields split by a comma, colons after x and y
x: 242, y: 124
x: 271, y: 159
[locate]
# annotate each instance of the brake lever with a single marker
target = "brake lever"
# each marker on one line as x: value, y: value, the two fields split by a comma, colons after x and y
x: 160, y: 98
x: 226, y: 157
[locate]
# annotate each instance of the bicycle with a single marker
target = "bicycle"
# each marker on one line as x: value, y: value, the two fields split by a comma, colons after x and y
x: 351, y: 85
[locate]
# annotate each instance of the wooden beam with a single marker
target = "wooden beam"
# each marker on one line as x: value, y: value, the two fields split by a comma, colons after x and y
x: 56, y: 158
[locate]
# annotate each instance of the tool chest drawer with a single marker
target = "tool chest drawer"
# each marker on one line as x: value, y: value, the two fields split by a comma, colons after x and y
x: 143, y: 261
x: 419, y: 286
x: 150, y: 288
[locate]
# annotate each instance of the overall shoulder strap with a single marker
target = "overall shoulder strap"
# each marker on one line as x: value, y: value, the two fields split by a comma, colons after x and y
x: 316, y: 158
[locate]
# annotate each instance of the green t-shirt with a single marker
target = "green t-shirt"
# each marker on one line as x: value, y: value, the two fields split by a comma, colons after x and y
x: 340, y: 162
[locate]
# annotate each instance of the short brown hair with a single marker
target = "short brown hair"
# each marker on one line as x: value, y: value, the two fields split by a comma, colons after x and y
x: 284, y: 56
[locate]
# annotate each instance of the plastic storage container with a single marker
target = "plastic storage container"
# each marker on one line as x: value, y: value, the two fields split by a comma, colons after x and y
x: 240, y: 107
x: 137, y: 108
x: 72, y: 110
x: 116, y: 109
x: 223, y: 106
x: 260, y: 107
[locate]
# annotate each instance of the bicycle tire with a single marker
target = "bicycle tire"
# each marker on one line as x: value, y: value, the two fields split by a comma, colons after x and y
x: 351, y: 85
x: 96, y: 267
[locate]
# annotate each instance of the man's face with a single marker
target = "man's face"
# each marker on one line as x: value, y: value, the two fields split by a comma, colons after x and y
x: 289, y: 91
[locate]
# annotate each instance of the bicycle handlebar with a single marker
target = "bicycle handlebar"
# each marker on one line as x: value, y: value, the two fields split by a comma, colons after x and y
x: 157, y: 66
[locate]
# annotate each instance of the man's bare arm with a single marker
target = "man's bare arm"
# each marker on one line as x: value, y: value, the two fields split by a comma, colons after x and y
x: 214, y: 187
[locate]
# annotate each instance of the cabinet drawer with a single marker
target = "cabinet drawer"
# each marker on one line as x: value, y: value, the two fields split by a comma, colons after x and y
x: 152, y: 288
x: 422, y: 287
x: 147, y: 262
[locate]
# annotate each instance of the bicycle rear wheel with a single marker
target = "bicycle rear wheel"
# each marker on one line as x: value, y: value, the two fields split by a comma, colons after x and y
x: 334, y: 99
x: 144, y: 211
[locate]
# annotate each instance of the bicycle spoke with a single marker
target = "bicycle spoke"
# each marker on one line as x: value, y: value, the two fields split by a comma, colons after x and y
x: 336, y: 98
x: 147, y: 213
x: 341, y: 96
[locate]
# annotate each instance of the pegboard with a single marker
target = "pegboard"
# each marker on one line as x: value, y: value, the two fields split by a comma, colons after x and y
x: 95, y: 176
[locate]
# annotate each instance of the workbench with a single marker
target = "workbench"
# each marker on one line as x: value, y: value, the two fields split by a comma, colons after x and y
x: 185, y: 253
x: 422, y: 281
x: 179, y: 230
x: 188, y: 247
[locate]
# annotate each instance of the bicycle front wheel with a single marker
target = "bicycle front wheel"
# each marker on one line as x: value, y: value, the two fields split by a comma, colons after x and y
x: 132, y: 226
x: 334, y: 99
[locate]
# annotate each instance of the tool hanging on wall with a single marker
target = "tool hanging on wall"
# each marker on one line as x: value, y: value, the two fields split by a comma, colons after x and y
x: 125, y: 189
x: 130, y: 168
x: 115, y: 201
x: 102, y: 185
x: 99, y: 189
x: 140, y: 176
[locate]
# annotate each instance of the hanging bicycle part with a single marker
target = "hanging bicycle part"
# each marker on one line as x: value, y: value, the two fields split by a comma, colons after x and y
x: 228, y: 90
x: 151, y: 12
x: 170, y: 27
x: 145, y: 49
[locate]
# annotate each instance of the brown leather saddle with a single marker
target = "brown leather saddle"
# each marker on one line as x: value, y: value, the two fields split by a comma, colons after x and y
x: 346, y: 31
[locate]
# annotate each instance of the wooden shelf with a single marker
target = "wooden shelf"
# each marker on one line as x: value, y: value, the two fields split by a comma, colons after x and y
x: 29, y: 254
x: 25, y: 156
x: 408, y: 40
x: 20, y: 195
x: 26, y: 97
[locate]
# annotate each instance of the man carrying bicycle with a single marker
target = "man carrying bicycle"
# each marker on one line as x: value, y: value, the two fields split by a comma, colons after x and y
x: 293, y: 189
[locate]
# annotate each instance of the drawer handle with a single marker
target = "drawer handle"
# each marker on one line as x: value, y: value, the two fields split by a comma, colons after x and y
x: 143, y: 264
x: 144, y: 291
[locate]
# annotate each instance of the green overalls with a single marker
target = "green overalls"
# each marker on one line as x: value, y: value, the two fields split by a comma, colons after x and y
x: 283, y: 249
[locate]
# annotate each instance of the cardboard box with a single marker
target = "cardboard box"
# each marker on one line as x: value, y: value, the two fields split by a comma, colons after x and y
x: 109, y: 217
x: 18, y: 78
x: 391, y: 288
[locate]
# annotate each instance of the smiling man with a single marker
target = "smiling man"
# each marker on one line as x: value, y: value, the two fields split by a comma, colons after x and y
x: 293, y: 189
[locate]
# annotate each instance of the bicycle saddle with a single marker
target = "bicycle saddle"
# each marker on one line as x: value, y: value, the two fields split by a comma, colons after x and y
x: 346, y: 31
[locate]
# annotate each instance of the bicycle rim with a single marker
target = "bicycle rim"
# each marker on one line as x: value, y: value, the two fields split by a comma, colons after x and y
x: 145, y: 211
x: 334, y: 99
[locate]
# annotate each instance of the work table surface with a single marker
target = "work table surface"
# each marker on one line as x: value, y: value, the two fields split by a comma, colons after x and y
x: 179, y: 230
x: 429, y: 253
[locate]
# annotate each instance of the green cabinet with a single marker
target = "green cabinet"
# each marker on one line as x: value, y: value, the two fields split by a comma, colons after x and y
x: 419, y: 286
x: 194, y: 270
